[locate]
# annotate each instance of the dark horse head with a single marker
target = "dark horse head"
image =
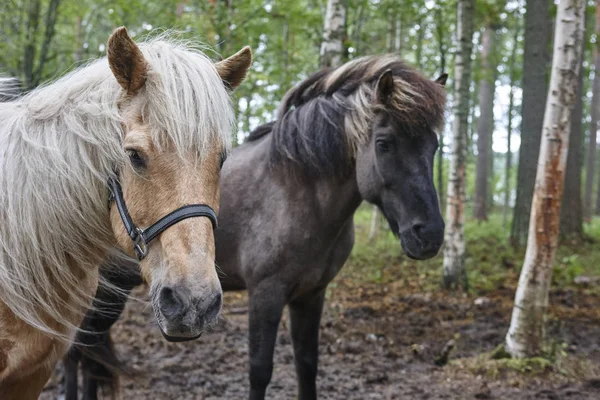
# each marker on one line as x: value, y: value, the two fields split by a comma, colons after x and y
x: 378, y: 118
x: 394, y: 167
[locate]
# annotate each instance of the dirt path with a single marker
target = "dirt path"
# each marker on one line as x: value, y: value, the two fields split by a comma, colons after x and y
x: 377, y: 342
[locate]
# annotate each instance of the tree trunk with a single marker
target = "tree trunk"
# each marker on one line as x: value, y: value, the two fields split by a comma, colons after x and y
x: 334, y: 32
x: 33, y: 19
x: 525, y: 337
x: 374, y: 228
x: 398, y: 37
x: 454, y: 250
x: 50, y: 23
x: 511, y: 107
x: 485, y: 124
x: 79, y: 40
x: 357, y: 41
x: 391, y: 32
x: 419, y: 49
x: 508, y: 161
x: 598, y: 197
x: 440, y: 33
x: 591, y: 150
x: 535, y: 89
x: 571, y: 214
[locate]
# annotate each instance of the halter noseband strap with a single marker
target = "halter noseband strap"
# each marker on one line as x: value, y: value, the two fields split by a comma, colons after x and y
x: 142, y: 237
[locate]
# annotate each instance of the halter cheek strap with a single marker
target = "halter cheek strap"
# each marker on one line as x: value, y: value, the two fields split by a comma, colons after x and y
x: 142, y: 237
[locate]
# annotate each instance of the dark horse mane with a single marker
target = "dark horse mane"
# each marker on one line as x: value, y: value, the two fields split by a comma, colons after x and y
x: 322, y: 121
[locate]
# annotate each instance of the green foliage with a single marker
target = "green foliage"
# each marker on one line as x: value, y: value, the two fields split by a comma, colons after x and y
x: 566, y: 269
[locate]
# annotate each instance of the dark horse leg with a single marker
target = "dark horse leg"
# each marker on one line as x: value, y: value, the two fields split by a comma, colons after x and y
x: 71, y: 362
x: 93, y: 345
x: 305, y: 316
x: 265, y: 307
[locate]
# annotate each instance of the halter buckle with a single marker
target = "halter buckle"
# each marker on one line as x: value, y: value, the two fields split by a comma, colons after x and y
x: 140, y: 246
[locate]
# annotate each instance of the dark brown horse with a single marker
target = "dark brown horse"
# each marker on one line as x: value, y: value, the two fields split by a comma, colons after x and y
x: 364, y: 131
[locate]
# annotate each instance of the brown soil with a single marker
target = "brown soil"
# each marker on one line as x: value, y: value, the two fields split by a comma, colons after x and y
x: 377, y: 342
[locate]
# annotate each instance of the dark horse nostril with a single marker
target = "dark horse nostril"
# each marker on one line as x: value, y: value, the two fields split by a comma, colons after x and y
x: 170, y: 303
x: 214, y: 308
x: 417, y: 231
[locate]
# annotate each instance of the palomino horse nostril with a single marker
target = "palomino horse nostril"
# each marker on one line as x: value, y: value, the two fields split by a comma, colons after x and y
x: 212, y: 311
x: 170, y: 302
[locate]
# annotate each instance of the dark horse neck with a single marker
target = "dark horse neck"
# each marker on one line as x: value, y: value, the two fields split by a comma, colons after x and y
x: 337, y: 198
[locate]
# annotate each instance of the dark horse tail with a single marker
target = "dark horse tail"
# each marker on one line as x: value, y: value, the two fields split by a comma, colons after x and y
x: 93, y: 347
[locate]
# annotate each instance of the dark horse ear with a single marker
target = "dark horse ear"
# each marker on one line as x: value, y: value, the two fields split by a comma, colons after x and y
x: 126, y: 61
x: 385, y: 87
x: 233, y: 70
x: 442, y: 79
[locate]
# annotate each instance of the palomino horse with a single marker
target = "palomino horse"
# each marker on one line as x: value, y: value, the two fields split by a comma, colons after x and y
x: 363, y: 131
x: 150, y: 125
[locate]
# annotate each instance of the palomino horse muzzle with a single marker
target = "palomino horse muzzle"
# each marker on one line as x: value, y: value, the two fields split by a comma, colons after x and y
x: 142, y: 237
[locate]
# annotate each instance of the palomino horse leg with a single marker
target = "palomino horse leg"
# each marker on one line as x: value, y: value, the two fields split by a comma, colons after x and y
x: 265, y: 307
x: 27, y: 387
x: 305, y: 316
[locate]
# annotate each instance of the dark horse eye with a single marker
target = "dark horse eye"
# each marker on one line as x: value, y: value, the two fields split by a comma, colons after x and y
x: 136, y: 159
x: 382, y: 146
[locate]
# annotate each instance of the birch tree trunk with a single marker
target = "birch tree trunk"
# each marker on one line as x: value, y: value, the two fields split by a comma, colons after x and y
x: 374, y: 228
x: 334, y: 31
x: 525, y: 337
x: 591, y: 150
x: 454, y: 267
x: 485, y: 124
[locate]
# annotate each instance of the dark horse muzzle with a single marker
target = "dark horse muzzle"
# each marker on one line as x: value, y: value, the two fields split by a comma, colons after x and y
x: 423, y: 241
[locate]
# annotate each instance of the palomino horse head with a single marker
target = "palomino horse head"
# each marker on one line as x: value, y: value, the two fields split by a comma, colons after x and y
x: 395, y: 167
x: 161, y: 176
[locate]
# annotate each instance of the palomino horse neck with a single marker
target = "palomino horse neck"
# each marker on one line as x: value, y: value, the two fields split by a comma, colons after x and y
x: 158, y: 118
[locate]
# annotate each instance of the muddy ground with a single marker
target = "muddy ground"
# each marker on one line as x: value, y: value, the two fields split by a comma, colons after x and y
x: 378, y: 341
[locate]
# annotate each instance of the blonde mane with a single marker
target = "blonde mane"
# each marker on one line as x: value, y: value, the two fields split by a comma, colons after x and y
x: 59, y: 144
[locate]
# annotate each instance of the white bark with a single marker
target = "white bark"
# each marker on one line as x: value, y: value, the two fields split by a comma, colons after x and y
x: 398, y: 36
x: 454, y: 249
x: 525, y: 336
x: 333, y: 34
x: 374, y: 229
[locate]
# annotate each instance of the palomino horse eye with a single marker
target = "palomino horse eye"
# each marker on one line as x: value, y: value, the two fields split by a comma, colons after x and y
x: 137, y: 162
x: 223, y: 158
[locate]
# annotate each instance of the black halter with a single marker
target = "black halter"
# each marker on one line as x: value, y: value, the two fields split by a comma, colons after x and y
x: 142, y: 237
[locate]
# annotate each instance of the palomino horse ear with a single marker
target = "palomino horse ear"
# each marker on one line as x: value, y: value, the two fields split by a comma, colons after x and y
x: 442, y: 79
x: 385, y: 87
x: 233, y: 70
x: 126, y: 61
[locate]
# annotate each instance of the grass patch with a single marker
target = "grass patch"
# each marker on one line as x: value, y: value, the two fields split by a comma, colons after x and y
x: 558, y: 367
